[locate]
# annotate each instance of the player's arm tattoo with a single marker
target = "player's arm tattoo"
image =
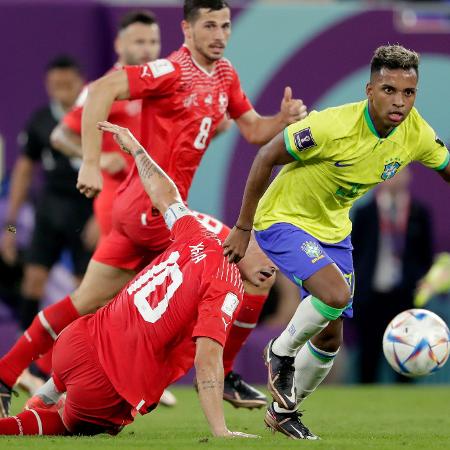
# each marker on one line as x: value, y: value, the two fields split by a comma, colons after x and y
x: 146, y: 167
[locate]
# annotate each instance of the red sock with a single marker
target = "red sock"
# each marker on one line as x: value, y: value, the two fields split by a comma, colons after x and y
x: 33, y: 421
x: 45, y: 363
x: 246, y: 320
x: 37, y: 339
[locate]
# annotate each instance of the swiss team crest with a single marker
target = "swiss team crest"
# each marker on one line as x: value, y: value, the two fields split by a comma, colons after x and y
x: 313, y: 250
x: 390, y: 170
x: 223, y: 102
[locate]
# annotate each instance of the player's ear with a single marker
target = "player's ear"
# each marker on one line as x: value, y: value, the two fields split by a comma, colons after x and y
x: 186, y: 27
x: 369, y: 90
x: 118, y: 46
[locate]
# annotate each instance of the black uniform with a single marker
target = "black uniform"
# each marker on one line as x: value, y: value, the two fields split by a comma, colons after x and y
x: 61, y: 212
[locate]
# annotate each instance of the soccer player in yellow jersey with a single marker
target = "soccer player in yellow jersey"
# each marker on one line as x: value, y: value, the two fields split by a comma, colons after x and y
x: 330, y: 159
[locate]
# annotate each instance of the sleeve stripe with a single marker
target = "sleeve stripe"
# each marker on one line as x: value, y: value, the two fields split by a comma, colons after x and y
x: 444, y: 164
x: 287, y: 143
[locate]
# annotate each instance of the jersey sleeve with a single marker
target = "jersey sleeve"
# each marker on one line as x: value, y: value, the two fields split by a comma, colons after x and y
x: 307, y: 138
x: 154, y: 79
x: 238, y: 102
x: 217, y: 310
x: 432, y: 151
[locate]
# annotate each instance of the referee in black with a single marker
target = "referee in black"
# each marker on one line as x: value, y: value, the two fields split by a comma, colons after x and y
x: 61, y: 212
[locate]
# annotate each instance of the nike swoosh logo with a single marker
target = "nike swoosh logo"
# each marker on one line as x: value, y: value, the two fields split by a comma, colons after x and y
x: 292, y: 397
x: 339, y: 164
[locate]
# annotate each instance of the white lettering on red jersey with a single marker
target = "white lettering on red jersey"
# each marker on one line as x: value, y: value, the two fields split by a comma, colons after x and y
x: 145, y: 337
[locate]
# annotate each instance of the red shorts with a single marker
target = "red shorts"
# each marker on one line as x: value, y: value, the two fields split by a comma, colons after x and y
x: 127, y: 248
x: 92, y: 405
x: 103, y: 203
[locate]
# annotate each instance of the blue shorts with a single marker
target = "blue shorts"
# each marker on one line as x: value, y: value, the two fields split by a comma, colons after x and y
x: 299, y: 255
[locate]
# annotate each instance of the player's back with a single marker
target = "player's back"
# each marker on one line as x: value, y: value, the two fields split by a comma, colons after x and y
x: 144, y: 337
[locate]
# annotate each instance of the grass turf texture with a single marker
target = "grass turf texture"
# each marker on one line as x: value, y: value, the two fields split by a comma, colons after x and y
x: 382, y: 417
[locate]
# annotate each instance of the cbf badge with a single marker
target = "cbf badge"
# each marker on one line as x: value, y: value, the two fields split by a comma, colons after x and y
x: 313, y: 250
x: 390, y: 169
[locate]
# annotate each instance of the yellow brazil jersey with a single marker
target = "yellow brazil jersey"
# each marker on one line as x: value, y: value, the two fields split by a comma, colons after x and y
x: 339, y: 157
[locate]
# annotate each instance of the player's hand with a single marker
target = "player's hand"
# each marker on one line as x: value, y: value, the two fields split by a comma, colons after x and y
x: 8, y: 248
x: 292, y: 110
x: 123, y: 136
x: 236, y: 244
x: 112, y: 162
x: 90, y: 181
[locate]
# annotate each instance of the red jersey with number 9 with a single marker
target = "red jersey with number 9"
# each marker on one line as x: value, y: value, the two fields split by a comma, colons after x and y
x: 181, y: 109
x: 145, y: 337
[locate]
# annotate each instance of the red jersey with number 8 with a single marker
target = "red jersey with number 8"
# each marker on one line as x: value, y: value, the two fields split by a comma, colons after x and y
x: 181, y: 109
x: 145, y: 337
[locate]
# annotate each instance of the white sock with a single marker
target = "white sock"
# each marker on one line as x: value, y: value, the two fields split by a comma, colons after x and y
x: 305, y: 323
x: 48, y: 392
x: 312, y: 365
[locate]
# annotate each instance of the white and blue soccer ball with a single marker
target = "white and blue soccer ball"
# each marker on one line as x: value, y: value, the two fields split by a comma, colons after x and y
x: 416, y: 343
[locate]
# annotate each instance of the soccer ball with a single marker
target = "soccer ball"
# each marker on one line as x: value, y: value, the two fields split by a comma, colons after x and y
x: 416, y: 343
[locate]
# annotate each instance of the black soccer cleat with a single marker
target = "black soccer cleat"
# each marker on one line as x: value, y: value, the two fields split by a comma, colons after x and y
x: 5, y: 399
x: 281, y: 383
x: 240, y: 394
x: 288, y: 424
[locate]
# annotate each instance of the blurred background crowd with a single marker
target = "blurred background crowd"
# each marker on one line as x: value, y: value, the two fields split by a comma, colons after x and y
x: 321, y: 49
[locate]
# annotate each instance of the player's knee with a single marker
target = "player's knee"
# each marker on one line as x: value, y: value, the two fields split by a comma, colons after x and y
x: 338, y: 297
x: 87, y: 302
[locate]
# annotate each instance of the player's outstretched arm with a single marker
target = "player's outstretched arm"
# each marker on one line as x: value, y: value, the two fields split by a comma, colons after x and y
x: 260, y: 130
x: 272, y: 154
x: 101, y: 95
x: 209, y: 374
x: 160, y: 188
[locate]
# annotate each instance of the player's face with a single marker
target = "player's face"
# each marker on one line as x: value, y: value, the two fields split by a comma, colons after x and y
x: 64, y: 86
x: 207, y: 36
x: 391, y: 94
x: 138, y: 44
x: 256, y: 267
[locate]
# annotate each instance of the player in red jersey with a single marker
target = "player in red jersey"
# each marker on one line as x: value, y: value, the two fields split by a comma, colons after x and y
x: 137, y: 42
x: 185, y: 97
x: 175, y: 313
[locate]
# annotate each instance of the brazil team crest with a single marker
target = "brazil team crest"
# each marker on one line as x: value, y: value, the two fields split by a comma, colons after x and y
x: 313, y: 250
x: 390, y: 169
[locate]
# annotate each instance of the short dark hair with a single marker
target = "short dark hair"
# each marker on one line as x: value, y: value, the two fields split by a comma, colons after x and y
x: 64, y: 62
x: 394, y: 57
x: 140, y: 16
x: 191, y: 7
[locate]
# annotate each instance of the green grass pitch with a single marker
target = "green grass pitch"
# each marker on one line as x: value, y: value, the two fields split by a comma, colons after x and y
x: 347, y: 418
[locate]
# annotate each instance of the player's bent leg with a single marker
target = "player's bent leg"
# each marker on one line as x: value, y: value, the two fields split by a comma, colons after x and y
x: 329, y: 298
x: 92, y: 405
x: 310, y: 318
x: 34, y: 422
x: 36, y: 341
x: 100, y: 284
